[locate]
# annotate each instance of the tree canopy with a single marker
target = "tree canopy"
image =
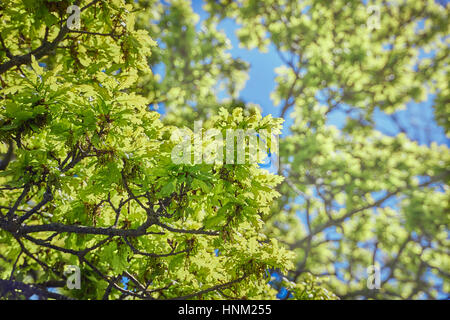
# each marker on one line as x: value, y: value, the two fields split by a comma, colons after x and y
x: 87, y: 176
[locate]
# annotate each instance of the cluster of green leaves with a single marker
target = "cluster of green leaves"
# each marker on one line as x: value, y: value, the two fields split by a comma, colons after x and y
x: 87, y: 176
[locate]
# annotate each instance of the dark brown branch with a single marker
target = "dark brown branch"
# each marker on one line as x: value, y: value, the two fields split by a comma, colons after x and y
x: 198, y: 231
x: 29, y: 290
x: 153, y: 255
x: 112, y: 35
x: 25, y: 191
x: 47, y: 197
x: 59, y: 227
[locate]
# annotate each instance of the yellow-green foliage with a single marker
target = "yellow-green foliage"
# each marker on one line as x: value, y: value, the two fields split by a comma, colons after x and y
x: 92, y: 177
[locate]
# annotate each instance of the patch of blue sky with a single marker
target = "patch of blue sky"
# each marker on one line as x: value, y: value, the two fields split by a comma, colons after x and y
x: 282, y: 293
x: 125, y: 281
